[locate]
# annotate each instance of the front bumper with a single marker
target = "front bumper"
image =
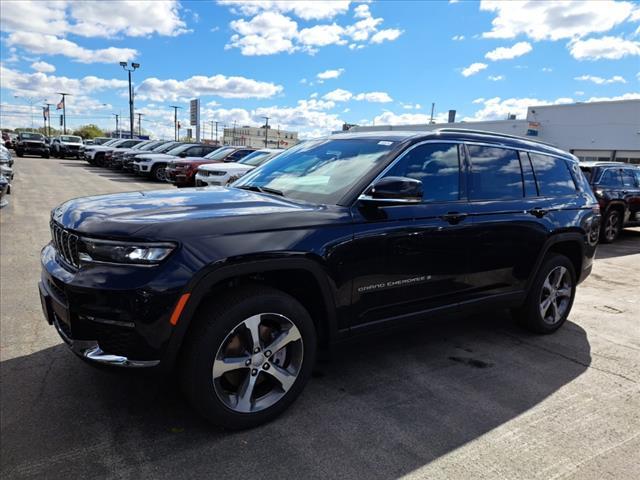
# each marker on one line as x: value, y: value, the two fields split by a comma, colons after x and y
x: 179, y: 178
x: 209, y: 181
x: 123, y: 322
x: 26, y: 148
x: 141, y: 168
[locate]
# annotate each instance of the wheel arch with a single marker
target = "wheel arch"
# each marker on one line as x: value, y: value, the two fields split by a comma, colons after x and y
x: 228, y: 273
x: 569, y: 244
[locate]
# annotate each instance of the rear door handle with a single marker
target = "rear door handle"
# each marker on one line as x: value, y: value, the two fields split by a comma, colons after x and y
x: 454, y: 217
x: 538, y: 212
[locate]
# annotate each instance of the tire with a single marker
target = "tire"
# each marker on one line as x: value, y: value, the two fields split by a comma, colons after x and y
x: 611, y: 226
x: 19, y: 153
x: 46, y: 155
x: 220, y: 326
x: 157, y: 173
x: 547, y: 284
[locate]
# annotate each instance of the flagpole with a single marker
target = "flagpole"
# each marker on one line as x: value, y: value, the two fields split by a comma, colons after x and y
x: 64, y: 111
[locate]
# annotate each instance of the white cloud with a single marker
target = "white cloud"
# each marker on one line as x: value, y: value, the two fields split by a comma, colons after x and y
x: 495, y: 78
x: 499, y: 109
x: 374, y: 97
x: 41, y: 84
x: 93, y: 18
x: 341, y: 95
x: 578, y: 93
x: 43, y: 67
x: 329, y: 74
x: 554, y: 20
x: 473, y: 69
x: 626, y: 96
x: 389, y: 34
x: 52, y: 45
x: 304, y: 9
x: 411, y: 106
x: 600, y: 80
x: 219, y: 85
x: 338, y: 95
x: 610, y: 48
x: 269, y: 31
x: 457, y: 38
x: 547, y: 69
x: 390, y: 118
x: 507, y: 53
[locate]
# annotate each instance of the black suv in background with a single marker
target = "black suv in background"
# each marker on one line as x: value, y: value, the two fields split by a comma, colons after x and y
x: 617, y: 188
x: 31, y: 143
x: 237, y: 287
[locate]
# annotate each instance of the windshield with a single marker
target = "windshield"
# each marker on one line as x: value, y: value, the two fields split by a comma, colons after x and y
x: 166, y: 147
x: 141, y: 145
x: 179, y: 149
x: 256, y: 158
x: 110, y: 142
x: 101, y: 140
x: 219, y: 153
x: 31, y: 136
x: 319, y: 171
x: 70, y: 139
x: 148, y: 146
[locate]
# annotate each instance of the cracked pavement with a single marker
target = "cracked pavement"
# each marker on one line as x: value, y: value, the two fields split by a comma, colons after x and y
x: 472, y: 397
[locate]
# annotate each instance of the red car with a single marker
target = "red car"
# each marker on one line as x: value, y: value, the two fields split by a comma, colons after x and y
x: 182, y: 172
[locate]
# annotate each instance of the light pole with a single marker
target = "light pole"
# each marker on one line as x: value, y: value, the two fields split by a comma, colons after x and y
x: 31, y: 101
x: 134, y: 66
x: 117, y: 126
x: 266, y: 130
x: 140, y: 124
x: 49, y: 105
x: 64, y: 110
x: 175, y: 121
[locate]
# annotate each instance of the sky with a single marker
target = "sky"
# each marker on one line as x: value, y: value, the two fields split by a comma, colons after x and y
x: 311, y: 65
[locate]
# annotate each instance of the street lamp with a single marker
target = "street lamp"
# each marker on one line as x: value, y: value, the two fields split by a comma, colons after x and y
x: 134, y: 66
x: 31, y: 101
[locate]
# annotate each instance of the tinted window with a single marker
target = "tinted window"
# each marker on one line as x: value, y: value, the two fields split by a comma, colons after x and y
x: 237, y: 155
x: 495, y: 173
x: 587, y: 173
x: 628, y: 178
x: 530, y: 188
x: 194, y: 152
x: 437, y: 166
x: 553, y: 175
x: 611, y: 178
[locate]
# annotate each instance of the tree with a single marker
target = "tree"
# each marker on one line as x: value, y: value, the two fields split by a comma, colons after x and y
x: 88, y: 131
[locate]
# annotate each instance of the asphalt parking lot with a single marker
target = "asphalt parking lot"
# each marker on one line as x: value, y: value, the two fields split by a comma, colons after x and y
x: 458, y: 398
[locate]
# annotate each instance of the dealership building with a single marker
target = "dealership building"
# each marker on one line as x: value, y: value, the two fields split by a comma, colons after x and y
x: 601, y: 131
x: 254, y: 137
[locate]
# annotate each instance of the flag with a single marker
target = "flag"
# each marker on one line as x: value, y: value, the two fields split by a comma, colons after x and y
x: 60, y: 104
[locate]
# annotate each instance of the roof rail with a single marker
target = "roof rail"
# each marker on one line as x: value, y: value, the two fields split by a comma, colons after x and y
x: 487, y: 132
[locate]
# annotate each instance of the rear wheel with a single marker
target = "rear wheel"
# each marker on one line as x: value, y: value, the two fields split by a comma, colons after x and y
x: 249, y: 357
x: 551, y: 296
x: 611, y: 226
x: 19, y: 153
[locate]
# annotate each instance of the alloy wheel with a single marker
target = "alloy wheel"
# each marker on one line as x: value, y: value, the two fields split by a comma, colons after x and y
x: 257, y: 363
x: 556, y: 295
x: 611, y: 226
x: 160, y: 174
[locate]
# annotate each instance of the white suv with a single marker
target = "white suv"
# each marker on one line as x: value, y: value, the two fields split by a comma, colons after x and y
x: 220, y: 174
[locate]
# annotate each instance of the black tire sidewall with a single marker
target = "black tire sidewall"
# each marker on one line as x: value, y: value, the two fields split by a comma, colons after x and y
x: 603, y: 237
x: 531, y: 313
x: 215, y: 323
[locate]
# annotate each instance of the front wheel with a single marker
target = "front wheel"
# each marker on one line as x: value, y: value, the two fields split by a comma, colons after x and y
x: 551, y: 296
x: 158, y: 173
x: 19, y: 153
x: 249, y: 357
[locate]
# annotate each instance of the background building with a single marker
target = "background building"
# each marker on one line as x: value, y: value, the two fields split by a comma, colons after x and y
x: 591, y: 131
x: 254, y: 137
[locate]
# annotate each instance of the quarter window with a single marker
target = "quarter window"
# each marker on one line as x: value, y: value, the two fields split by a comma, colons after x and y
x: 437, y: 166
x: 495, y: 173
x: 628, y: 179
x: 553, y: 175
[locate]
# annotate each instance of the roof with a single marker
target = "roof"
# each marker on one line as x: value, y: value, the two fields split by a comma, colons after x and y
x: 459, y: 134
x: 607, y: 164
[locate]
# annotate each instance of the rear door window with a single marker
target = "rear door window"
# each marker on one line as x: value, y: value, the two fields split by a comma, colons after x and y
x: 495, y: 173
x: 628, y: 178
x: 437, y: 166
x: 553, y: 175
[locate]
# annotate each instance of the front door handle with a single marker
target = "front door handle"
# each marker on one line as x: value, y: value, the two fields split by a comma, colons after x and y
x: 538, y: 212
x: 454, y: 217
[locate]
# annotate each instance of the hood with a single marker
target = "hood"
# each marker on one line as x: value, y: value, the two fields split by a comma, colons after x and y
x: 227, y: 167
x: 99, y: 148
x: 77, y: 144
x: 171, y: 215
x: 157, y: 156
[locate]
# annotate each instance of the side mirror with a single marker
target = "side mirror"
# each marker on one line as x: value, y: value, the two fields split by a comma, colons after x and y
x: 394, y: 190
x: 182, y: 155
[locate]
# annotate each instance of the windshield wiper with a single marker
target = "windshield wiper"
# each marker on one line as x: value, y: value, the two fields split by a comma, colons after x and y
x: 256, y: 188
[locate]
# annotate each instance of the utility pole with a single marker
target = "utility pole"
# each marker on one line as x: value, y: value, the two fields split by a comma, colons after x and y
x: 175, y: 121
x: 266, y: 130
x: 64, y: 111
x: 140, y: 123
x: 134, y: 66
x: 234, y: 132
x: 433, y: 106
x: 117, y: 125
x: 49, y: 105
x: 217, y: 143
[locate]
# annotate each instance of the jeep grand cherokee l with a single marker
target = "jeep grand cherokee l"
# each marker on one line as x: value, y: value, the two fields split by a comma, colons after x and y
x: 237, y: 287
x: 617, y: 188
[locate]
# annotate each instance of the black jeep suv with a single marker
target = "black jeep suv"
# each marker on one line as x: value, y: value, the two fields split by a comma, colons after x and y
x: 237, y: 287
x: 617, y: 188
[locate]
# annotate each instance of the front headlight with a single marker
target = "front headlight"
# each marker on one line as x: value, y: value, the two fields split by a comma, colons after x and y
x: 92, y: 251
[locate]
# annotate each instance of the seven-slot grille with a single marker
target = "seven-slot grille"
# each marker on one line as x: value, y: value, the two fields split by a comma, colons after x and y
x: 66, y: 243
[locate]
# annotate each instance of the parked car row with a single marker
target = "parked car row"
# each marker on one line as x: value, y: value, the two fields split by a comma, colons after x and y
x: 6, y: 174
x: 177, y: 162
